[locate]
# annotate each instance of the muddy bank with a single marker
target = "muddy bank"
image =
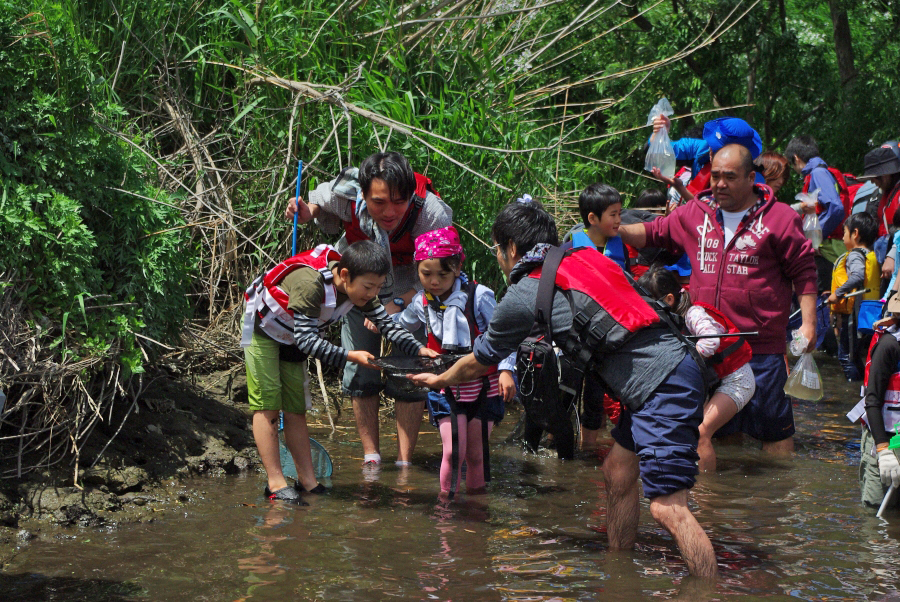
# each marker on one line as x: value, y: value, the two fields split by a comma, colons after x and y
x: 178, y: 429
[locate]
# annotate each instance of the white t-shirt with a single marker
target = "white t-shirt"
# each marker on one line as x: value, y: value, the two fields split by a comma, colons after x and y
x: 731, y: 221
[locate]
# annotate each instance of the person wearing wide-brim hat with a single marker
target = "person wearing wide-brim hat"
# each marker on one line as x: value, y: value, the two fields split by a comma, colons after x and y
x: 882, y: 166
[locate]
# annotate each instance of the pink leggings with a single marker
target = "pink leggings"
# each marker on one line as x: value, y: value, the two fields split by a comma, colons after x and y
x: 470, y: 450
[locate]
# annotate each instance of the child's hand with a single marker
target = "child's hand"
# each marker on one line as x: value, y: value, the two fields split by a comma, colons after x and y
x: 507, y: 386
x: 371, y: 325
x: 660, y: 122
x: 362, y: 358
x: 659, y: 176
x: 426, y: 352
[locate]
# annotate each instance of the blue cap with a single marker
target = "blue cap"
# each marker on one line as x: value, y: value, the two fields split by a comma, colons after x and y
x: 731, y: 130
x: 682, y: 267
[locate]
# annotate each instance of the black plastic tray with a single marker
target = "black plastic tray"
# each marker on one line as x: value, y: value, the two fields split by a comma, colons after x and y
x: 397, y: 367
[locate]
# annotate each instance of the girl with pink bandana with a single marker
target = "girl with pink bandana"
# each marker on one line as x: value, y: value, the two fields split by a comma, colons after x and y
x: 464, y: 414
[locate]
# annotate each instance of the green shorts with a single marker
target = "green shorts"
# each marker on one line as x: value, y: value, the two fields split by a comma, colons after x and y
x: 272, y: 383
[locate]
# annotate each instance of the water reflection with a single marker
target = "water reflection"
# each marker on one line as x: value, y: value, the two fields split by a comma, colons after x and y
x: 783, y: 528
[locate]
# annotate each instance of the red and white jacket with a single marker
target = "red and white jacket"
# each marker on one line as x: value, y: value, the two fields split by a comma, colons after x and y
x: 267, y: 300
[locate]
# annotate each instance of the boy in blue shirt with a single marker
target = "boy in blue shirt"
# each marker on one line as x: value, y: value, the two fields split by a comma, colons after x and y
x: 600, y: 206
x: 601, y: 213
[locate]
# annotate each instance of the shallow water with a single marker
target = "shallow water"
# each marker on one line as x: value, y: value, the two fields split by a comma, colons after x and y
x: 788, y: 529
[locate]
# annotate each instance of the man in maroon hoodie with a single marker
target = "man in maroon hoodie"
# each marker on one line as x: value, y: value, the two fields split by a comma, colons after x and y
x: 755, y: 255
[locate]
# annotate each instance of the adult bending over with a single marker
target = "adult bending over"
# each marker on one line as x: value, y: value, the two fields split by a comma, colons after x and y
x: 648, y: 368
x: 384, y: 201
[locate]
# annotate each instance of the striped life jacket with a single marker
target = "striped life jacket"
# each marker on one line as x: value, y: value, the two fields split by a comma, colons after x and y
x: 733, y: 352
x: 267, y: 300
x: 470, y: 390
x: 402, y: 243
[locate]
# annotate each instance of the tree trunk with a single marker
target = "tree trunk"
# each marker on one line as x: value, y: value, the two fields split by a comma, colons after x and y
x: 843, y: 43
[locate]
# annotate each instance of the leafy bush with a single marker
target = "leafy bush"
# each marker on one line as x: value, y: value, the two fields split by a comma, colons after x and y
x: 99, y: 253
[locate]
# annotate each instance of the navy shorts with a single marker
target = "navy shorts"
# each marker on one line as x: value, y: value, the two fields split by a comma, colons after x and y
x: 768, y: 416
x: 664, y: 431
x: 491, y: 409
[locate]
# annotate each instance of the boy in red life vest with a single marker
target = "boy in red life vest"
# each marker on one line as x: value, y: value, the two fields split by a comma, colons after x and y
x: 879, y: 411
x: 729, y: 356
x: 856, y: 269
x: 454, y: 310
x: 285, y: 310
x: 833, y: 205
x: 383, y: 200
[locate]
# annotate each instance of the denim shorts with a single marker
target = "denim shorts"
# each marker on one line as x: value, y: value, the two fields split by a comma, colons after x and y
x: 768, y: 416
x: 491, y: 409
x: 366, y: 382
x: 664, y: 431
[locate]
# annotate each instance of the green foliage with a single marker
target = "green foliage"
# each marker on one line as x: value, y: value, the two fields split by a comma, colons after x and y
x: 75, y: 230
x: 482, y: 85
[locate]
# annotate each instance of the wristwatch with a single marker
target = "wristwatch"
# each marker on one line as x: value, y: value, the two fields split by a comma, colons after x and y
x: 399, y: 302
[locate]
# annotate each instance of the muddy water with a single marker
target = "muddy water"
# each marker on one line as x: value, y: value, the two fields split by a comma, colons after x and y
x: 790, y: 529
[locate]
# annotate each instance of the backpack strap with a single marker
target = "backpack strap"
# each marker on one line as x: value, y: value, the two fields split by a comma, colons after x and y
x: 665, y: 314
x: 543, y: 307
x: 719, y: 357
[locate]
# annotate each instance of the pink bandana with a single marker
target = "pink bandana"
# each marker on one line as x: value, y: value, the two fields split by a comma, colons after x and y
x: 438, y: 243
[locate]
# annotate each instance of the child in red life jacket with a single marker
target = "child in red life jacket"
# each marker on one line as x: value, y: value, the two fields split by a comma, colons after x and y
x: 286, y: 308
x: 454, y: 311
x: 729, y: 356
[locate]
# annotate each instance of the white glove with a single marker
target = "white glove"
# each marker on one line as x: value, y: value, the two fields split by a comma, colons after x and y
x: 889, y: 468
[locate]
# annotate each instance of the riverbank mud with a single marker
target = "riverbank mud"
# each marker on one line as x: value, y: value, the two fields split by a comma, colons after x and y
x: 180, y: 428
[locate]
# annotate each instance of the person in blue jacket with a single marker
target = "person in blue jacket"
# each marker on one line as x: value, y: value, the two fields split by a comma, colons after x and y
x: 803, y: 156
x: 600, y: 206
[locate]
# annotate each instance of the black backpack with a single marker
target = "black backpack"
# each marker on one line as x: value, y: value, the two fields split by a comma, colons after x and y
x: 548, y: 400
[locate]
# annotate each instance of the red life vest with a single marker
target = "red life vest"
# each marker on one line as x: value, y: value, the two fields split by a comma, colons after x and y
x: 607, y: 310
x: 467, y: 391
x: 733, y: 352
x: 886, y: 208
x: 402, y: 243
x: 843, y: 191
x: 267, y: 300
x: 700, y: 182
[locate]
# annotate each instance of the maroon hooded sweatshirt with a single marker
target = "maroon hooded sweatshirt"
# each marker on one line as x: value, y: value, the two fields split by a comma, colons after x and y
x: 750, y: 280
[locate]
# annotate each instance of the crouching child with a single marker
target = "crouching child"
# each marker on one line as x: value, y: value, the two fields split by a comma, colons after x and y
x: 286, y: 308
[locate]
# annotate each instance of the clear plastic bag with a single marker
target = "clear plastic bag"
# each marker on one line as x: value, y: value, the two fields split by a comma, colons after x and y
x: 812, y: 230
x: 811, y: 227
x: 660, y: 154
x: 804, y: 381
x: 799, y: 343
